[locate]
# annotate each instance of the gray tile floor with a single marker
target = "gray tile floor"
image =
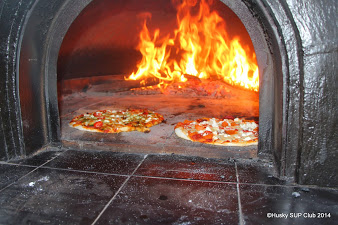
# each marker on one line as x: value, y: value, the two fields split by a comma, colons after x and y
x: 100, y: 187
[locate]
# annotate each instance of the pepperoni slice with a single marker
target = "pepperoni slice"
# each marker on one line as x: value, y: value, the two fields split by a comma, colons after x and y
x: 187, y: 122
x: 225, y: 124
x: 195, y: 136
x: 231, y: 132
x: 97, y: 114
x: 199, y: 127
x: 207, y: 135
x: 98, y: 124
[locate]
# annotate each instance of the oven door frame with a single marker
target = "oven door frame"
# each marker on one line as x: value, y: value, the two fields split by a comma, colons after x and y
x: 42, y: 26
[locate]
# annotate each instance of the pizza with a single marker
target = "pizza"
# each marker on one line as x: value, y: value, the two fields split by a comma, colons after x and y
x: 113, y: 121
x: 225, y: 132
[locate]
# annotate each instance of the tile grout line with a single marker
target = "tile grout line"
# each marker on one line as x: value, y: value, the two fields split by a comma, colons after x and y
x: 16, y: 164
x: 30, y: 171
x: 118, y: 191
x: 241, y: 219
x: 168, y: 178
x: 184, y: 179
x: 85, y: 171
x: 123, y: 175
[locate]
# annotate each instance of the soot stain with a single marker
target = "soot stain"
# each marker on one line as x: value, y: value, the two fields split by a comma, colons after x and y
x: 85, y: 89
x: 144, y: 217
x: 178, y: 113
x: 163, y: 197
x: 199, y: 106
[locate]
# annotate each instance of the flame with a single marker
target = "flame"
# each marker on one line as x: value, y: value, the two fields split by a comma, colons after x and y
x: 199, y: 47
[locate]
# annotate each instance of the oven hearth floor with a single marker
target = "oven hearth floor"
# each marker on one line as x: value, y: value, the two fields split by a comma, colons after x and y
x: 100, y: 187
x: 162, y: 138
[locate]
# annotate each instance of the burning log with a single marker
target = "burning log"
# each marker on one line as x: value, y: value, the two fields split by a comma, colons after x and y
x: 200, y: 47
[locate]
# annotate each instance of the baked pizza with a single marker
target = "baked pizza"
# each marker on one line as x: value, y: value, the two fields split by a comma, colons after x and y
x: 113, y: 121
x: 226, y: 132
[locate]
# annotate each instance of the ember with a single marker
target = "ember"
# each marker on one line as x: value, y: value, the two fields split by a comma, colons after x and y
x: 200, y: 47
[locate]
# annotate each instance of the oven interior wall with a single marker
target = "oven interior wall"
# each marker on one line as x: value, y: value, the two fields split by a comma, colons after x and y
x: 104, y: 37
x: 305, y: 28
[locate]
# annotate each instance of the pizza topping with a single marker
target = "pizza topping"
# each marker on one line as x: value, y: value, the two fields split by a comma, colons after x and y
x: 247, y: 139
x: 97, y: 114
x: 248, y: 126
x: 98, y: 124
x: 220, y: 131
x: 231, y: 132
x: 199, y: 127
x: 117, y: 121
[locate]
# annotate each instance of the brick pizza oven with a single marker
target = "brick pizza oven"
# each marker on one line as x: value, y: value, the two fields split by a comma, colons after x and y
x: 296, y: 47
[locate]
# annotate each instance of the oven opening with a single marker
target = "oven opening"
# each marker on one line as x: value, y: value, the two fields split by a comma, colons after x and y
x: 186, y: 60
x: 102, y: 48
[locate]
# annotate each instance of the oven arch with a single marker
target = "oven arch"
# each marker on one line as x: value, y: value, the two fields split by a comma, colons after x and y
x: 45, y: 25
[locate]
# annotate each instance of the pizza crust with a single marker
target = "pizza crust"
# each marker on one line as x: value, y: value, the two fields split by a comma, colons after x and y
x: 80, y: 127
x: 236, y: 144
x: 181, y: 134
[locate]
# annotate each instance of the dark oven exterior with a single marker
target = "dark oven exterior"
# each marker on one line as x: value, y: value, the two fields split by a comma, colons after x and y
x: 296, y: 48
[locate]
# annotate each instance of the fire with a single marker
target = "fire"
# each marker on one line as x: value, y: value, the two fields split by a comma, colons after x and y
x: 199, y: 47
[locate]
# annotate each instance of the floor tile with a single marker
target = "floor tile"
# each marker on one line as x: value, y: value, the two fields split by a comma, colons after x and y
x: 257, y: 173
x: 49, y: 196
x: 38, y: 159
x: 184, y: 167
x: 97, y: 161
x: 165, y: 201
x: 11, y: 173
x: 260, y: 200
